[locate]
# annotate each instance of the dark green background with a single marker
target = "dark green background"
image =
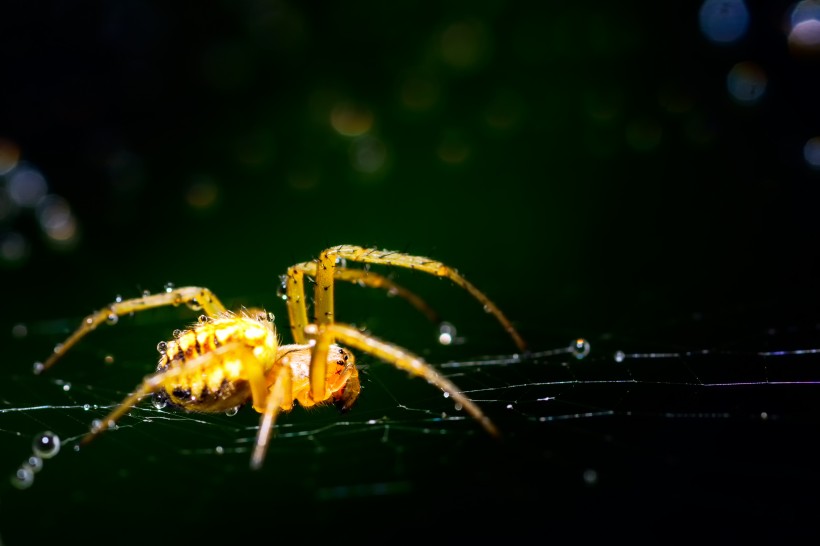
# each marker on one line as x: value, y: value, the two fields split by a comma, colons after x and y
x: 612, y: 190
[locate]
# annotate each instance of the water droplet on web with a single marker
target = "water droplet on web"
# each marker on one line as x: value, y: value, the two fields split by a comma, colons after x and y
x: 447, y: 332
x: 34, y: 462
x: 86, y: 407
x: 38, y: 368
x: 232, y: 411
x: 446, y: 395
x: 458, y: 407
x: 22, y: 479
x: 66, y: 387
x: 579, y: 348
x: 169, y: 287
x: 393, y: 292
x: 58, y: 347
x: 112, y: 319
x: 219, y: 450
x: 619, y: 356
x: 46, y: 445
x: 96, y: 425
x: 159, y: 399
x: 281, y: 290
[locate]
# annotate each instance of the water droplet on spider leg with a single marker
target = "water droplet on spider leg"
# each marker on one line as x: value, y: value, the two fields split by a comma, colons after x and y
x: 46, y: 445
x: 159, y: 399
x: 177, y: 333
x: 446, y: 333
x: 23, y: 478
x: 202, y: 319
x: 169, y: 287
x: 341, y: 262
x: 162, y: 347
x: 488, y: 309
x: 96, y: 425
x: 392, y: 292
x: 34, y: 462
x: 194, y: 305
x: 232, y: 411
x: 117, y: 299
x: 579, y: 348
x: 112, y: 319
x: 146, y: 293
x: 58, y: 347
x: 619, y: 356
x: 38, y: 368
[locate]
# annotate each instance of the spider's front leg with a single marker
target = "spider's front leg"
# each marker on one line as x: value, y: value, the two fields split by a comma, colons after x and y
x: 193, y: 296
x: 326, y: 267
x: 327, y: 334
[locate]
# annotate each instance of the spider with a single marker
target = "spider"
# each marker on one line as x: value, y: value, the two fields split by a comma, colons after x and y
x: 228, y: 358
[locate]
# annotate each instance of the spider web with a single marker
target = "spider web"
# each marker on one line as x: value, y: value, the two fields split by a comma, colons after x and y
x: 697, y: 416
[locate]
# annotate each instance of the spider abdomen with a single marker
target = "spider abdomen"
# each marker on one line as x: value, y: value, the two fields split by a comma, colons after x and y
x: 223, y: 347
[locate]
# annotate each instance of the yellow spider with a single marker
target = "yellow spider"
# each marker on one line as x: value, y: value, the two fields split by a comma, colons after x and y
x: 226, y: 358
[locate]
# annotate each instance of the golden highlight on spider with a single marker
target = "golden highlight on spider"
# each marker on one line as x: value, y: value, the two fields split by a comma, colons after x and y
x: 227, y: 358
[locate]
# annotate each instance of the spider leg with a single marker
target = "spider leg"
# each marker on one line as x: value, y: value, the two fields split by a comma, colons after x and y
x: 170, y: 377
x: 193, y: 296
x: 325, y: 273
x: 297, y: 307
x: 326, y: 334
x: 281, y: 396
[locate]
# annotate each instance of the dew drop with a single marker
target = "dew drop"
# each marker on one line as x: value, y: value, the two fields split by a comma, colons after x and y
x: 579, y: 348
x: 590, y: 476
x: 176, y: 333
x: 219, y: 450
x: 447, y: 332
x: 162, y: 347
x: 38, y: 368
x: 96, y: 425
x: 19, y: 330
x: 23, y: 478
x: 58, y: 347
x: 169, y: 287
x: 232, y: 411
x: 194, y: 305
x: 177, y: 300
x: 146, y: 293
x: 86, y: 407
x: 619, y: 356
x: 488, y: 309
x: 34, y: 462
x: 281, y: 290
x: 66, y: 387
x: 159, y: 399
x: 46, y: 445
x: 118, y: 299
x: 112, y: 319
x: 446, y: 395
x: 109, y: 359
x: 89, y: 319
x: 203, y: 319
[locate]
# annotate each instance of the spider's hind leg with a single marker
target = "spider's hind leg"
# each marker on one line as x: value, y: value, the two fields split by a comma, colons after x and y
x: 193, y: 296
